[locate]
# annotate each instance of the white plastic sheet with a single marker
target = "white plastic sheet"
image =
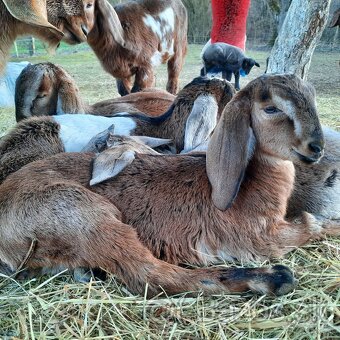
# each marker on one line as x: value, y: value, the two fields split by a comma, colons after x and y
x: 7, y: 82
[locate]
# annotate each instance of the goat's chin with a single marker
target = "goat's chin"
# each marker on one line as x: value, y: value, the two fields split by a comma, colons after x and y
x: 71, y: 39
x: 300, y: 158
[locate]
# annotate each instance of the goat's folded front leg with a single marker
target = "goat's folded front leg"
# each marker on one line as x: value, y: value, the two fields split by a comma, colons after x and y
x: 144, y: 78
x: 288, y: 235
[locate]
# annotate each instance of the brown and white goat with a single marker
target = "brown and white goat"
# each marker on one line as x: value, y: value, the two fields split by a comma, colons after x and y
x: 148, y: 33
x: 47, y: 89
x: 49, y: 20
x: 230, y: 204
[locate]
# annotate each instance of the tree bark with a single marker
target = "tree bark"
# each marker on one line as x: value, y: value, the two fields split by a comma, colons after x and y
x: 300, y: 32
x: 284, y: 7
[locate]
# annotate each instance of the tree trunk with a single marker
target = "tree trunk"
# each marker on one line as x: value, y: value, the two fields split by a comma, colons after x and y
x: 300, y: 32
x: 284, y: 6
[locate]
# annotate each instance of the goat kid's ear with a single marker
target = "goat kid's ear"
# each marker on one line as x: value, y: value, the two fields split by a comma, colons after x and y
x: 227, y: 155
x: 32, y: 12
x: 109, y: 164
x: 201, y: 122
x: 109, y: 19
x: 152, y: 142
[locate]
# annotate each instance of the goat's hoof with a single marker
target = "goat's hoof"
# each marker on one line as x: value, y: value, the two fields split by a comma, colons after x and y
x: 84, y: 275
x: 278, y: 280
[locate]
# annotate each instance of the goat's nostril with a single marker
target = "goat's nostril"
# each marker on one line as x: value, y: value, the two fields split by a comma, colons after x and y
x: 85, y: 30
x: 315, y: 147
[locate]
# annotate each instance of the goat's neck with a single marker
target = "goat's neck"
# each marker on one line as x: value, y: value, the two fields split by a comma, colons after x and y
x: 272, y: 179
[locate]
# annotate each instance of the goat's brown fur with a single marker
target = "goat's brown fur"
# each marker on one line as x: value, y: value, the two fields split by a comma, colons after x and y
x: 29, y: 141
x: 134, y: 56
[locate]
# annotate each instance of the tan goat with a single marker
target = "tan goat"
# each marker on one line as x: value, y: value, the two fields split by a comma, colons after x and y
x: 248, y: 172
x: 148, y: 33
x: 47, y: 89
x: 49, y: 20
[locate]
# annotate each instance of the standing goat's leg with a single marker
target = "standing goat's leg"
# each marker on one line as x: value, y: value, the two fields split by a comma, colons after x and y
x: 124, y: 86
x: 78, y: 228
x: 237, y: 80
x: 144, y: 78
x: 175, y: 65
x: 227, y: 75
x: 289, y: 235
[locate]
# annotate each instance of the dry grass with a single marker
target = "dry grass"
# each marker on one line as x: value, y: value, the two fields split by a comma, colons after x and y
x: 57, y: 307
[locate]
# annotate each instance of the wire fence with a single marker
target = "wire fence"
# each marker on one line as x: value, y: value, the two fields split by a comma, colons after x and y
x: 29, y: 46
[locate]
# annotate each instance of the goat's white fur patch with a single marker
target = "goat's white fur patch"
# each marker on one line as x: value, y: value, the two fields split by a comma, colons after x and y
x: 59, y: 107
x: 76, y: 130
x: 162, y: 25
x: 207, y: 256
x: 156, y: 59
x: 290, y: 110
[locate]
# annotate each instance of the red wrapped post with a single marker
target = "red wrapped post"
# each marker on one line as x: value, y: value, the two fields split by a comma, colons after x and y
x: 229, y: 21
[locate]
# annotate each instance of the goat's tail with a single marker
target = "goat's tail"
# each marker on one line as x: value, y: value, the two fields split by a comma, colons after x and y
x: 149, y: 119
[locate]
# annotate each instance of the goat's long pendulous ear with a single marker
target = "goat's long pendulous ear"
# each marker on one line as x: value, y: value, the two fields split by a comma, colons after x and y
x: 227, y: 154
x: 32, y: 12
x: 152, y: 142
x: 201, y: 121
x: 109, y: 164
x: 107, y: 19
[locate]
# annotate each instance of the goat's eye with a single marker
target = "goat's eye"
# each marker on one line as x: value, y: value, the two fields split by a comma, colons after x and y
x: 271, y: 110
x: 43, y: 95
x: 89, y: 5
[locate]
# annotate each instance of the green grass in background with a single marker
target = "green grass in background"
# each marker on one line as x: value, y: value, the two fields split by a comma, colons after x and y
x: 95, y: 84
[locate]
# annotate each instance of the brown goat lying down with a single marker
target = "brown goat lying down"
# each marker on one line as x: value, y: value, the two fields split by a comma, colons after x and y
x: 67, y: 20
x: 229, y: 205
x: 47, y: 89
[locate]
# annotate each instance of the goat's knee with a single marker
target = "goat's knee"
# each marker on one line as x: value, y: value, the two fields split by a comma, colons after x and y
x: 122, y: 87
x: 174, y: 68
x: 144, y: 78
